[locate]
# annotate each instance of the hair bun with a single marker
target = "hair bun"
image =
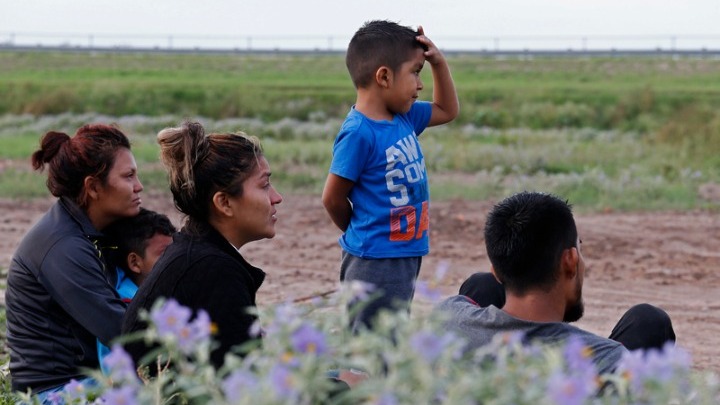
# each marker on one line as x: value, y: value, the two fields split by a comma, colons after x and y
x: 50, y: 145
x: 201, y: 145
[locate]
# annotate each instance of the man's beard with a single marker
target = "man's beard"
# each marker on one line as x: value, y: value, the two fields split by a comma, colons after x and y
x: 575, y: 311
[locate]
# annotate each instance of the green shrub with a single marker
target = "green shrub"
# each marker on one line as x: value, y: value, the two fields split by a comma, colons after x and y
x: 404, y: 361
x: 599, y: 169
x: 491, y: 117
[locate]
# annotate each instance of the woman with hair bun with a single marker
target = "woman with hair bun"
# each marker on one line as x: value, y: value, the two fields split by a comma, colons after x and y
x: 221, y: 182
x: 60, y: 295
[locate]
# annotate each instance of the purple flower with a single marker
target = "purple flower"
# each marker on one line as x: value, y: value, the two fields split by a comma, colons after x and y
x: 192, y: 334
x: 581, y: 378
x: 120, y: 365
x: 256, y: 329
x: 285, y: 314
x: 640, y: 367
x: 428, y: 290
x: 307, y: 339
x: 173, y: 322
x: 75, y: 390
x: 282, y: 380
x: 55, y: 398
x: 577, y: 354
x: 237, y: 383
x: 668, y: 362
x: 441, y: 270
x: 185, y: 340
x: 429, y: 345
x: 578, y: 357
x: 289, y: 359
x: 514, y: 340
x: 431, y: 289
x: 170, y: 318
x: 201, y: 325
x: 124, y: 395
x: 632, y: 367
x: 568, y: 389
x: 386, y: 398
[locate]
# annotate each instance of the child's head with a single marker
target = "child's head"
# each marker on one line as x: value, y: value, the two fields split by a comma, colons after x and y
x: 379, y: 43
x: 141, y: 240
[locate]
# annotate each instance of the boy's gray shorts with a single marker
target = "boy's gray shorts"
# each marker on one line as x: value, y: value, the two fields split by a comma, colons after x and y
x: 393, y: 280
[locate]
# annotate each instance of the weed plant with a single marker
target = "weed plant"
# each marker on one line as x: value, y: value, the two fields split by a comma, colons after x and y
x: 401, y: 361
x: 596, y: 169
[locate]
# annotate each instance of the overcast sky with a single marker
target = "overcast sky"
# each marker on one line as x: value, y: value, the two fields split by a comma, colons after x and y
x: 336, y: 20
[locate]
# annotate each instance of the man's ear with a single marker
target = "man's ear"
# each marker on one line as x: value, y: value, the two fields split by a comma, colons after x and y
x: 569, y: 262
x: 134, y: 262
x: 383, y: 77
x: 221, y: 202
x: 92, y: 187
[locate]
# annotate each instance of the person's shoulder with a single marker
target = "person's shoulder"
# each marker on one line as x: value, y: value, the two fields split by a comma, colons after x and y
x: 70, y: 245
x: 55, y: 224
x: 597, y: 343
x: 357, y: 131
x: 354, y: 122
x: 423, y: 108
x: 206, y: 261
x: 595, y: 339
x: 456, y: 302
x: 606, y: 353
x: 418, y: 117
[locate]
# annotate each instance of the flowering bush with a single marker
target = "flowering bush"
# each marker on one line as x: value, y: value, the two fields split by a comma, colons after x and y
x: 404, y: 361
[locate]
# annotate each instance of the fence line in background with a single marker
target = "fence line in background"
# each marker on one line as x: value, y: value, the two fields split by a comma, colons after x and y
x: 527, y: 53
x: 558, y: 45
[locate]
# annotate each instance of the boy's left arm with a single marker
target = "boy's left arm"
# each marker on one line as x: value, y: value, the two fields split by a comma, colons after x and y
x: 445, y: 106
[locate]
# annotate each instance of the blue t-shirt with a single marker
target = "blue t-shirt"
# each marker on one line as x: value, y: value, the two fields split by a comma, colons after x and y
x: 126, y: 288
x: 390, y: 197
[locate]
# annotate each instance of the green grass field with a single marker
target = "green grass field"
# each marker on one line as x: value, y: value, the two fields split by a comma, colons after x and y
x: 640, y: 93
x: 607, y: 134
x: 616, y: 133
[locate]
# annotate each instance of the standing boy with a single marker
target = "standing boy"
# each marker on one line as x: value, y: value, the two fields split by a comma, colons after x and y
x: 140, y: 240
x: 377, y: 189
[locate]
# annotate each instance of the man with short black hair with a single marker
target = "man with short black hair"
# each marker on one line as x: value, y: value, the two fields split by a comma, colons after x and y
x: 536, y: 285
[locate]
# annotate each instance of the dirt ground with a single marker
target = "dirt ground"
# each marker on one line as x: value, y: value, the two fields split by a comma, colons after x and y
x: 669, y: 259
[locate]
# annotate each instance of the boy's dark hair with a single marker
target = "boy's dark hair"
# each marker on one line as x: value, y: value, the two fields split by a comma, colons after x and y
x: 525, y: 236
x: 379, y: 43
x: 131, y: 234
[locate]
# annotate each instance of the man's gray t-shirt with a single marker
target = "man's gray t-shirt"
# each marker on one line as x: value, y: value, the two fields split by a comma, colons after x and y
x: 479, y: 325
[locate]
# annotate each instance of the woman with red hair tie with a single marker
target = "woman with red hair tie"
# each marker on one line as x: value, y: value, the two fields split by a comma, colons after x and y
x: 60, y: 294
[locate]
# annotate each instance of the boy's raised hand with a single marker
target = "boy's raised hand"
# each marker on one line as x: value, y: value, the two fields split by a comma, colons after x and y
x: 445, y: 104
x: 433, y: 54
